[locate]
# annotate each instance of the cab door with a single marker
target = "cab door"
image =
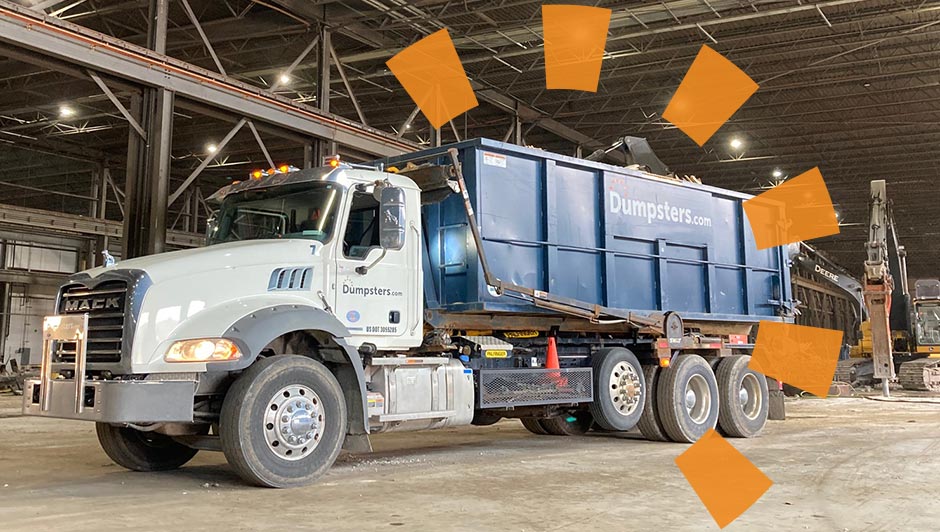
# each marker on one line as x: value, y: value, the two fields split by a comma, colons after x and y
x: 375, y: 285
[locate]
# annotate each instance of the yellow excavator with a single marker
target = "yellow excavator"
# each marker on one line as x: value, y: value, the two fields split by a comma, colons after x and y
x: 901, y: 335
x: 922, y: 369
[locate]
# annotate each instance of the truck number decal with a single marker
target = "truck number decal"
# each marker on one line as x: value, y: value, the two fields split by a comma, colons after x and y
x: 381, y: 329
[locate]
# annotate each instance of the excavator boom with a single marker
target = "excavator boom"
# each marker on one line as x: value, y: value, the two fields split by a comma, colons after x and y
x: 878, y: 284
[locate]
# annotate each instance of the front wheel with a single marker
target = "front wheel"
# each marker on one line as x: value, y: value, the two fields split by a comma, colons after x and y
x: 283, y: 422
x: 142, y: 451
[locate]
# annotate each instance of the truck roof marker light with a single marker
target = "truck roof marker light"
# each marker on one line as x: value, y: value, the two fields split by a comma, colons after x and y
x: 334, y: 161
x: 283, y: 168
x: 257, y: 174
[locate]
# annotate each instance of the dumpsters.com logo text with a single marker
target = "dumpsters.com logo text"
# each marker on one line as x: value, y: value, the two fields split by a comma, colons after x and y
x: 369, y: 291
x: 651, y: 210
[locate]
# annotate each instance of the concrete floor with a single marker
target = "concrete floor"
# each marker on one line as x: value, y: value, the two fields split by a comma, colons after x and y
x: 838, y: 465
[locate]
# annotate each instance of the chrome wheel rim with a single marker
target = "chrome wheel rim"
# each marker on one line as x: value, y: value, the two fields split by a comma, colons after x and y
x: 293, y: 422
x: 750, y: 397
x: 625, y: 388
x: 698, y: 399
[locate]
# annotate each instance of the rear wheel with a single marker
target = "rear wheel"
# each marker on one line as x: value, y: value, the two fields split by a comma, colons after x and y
x: 534, y: 425
x: 142, y: 451
x: 619, y: 389
x: 650, y: 425
x: 283, y: 422
x: 483, y: 419
x: 743, y: 398
x: 574, y: 424
x: 688, y: 398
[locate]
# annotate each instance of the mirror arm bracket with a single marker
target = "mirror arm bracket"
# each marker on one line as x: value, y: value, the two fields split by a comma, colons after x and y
x: 362, y: 270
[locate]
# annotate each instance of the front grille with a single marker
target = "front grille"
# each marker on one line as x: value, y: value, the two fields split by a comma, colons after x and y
x: 105, y: 307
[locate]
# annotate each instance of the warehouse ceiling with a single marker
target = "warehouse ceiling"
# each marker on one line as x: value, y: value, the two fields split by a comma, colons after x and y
x: 850, y: 86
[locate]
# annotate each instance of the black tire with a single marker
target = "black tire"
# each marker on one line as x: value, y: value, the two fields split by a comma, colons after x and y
x: 253, y: 444
x: 681, y: 422
x: 619, y: 389
x: 743, y: 398
x: 650, y: 426
x: 484, y: 419
x: 713, y: 362
x: 534, y: 425
x: 574, y: 424
x: 142, y: 451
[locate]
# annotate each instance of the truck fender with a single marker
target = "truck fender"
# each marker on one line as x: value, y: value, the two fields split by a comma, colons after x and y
x: 251, y: 333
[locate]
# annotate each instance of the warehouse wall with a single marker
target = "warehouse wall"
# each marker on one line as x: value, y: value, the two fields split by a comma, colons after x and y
x: 31, y: 270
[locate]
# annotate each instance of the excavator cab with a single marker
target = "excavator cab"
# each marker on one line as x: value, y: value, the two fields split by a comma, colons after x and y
x: 927, y: 316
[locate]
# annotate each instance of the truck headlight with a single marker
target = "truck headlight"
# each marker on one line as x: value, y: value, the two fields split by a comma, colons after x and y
x: 202, y: 350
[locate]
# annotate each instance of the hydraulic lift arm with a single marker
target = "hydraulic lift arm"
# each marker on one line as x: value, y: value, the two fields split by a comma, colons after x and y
x: 807, y: 259
x: 878, y: 284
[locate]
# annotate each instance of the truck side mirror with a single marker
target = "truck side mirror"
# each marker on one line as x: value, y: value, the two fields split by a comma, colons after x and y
x: 392, y: 218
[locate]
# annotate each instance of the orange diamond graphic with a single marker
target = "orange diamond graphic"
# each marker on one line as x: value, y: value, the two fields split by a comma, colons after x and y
x: 799, y: 209
x: 711, y: 91
x: 432, y: 75
x: 724, y: 479
x: 798, y: 355
x: 575, y: 37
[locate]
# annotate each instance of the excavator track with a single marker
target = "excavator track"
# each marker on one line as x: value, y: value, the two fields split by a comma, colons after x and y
x: 855, y: 371
x: 922, y: 374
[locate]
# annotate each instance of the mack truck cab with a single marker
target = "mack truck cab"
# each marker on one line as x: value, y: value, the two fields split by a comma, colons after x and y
x: 322, y: 264
x: 305, y: 325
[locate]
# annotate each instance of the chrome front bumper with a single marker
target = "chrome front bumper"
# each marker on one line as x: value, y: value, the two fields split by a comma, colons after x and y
x: 111, y: 401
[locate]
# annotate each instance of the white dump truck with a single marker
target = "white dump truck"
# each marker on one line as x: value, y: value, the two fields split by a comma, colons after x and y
x: 458, y: 285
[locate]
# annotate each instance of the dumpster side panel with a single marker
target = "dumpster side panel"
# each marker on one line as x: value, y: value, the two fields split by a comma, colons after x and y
x: 602, y: 234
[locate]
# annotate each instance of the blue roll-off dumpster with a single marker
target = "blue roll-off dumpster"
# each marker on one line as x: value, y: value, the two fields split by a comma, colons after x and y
x: 607, y: 235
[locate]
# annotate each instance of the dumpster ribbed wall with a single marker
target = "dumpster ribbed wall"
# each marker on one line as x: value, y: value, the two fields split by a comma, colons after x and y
x: 603, y: 234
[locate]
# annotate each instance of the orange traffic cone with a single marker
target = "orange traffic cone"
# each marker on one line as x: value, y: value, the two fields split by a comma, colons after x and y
x: 551, y: 362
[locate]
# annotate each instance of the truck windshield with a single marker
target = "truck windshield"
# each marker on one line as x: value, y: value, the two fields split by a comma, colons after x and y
x: 928, y: 323
x: 305, y: 211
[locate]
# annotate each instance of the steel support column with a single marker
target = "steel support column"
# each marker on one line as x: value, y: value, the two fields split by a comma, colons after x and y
x: 148, y: 164
x: 324, y: 147
x: 161, y: 135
